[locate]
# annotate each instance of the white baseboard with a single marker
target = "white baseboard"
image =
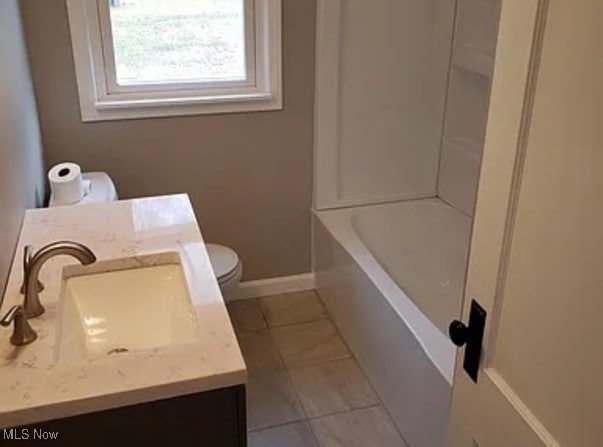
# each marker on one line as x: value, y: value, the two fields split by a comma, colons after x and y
x: 274, y: 286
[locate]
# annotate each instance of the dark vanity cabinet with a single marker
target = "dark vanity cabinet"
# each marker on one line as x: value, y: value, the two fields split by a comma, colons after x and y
x: 211, y: 419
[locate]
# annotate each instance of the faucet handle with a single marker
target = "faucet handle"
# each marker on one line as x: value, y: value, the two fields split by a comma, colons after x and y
x: 28, y: 253
x: 23, y: 334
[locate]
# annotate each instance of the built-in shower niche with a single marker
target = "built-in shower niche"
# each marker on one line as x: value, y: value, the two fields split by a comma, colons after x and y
x: 467, y: 105
x: 462, y: 143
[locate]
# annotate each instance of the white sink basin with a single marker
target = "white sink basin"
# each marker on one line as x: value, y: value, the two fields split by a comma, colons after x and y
x: 126, y: 308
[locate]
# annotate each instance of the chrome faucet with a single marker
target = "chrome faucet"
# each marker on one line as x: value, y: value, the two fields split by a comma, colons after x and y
x: 33, y: 263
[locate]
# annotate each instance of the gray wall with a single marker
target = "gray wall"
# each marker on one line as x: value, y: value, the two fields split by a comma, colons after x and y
x: 21, y: 177
x: 249, y: 175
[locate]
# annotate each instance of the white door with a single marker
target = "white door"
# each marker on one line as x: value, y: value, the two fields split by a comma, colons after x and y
x: 536, y: 264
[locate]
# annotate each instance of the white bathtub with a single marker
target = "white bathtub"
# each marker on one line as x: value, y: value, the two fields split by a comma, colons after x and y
x: 365, y: 258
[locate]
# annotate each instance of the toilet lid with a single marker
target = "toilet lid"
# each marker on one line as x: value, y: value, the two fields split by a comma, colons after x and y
x: 223, y: 260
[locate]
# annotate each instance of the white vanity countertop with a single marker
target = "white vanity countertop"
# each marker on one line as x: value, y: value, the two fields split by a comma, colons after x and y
x: 34, y: 387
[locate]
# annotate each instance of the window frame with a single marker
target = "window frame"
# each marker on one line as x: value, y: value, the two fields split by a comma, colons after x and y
x: 102, y: 98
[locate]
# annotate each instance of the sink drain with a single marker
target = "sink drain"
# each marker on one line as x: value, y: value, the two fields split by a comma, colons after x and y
x: 117, y: 351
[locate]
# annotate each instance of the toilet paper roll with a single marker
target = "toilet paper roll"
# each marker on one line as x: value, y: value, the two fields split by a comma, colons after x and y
x: 66, y: 183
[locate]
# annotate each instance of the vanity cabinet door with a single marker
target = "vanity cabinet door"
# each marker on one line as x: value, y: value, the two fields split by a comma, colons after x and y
x: 211, y: 419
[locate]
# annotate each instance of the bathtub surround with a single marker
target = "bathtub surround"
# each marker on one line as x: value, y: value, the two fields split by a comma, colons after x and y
x: 381, y: 90
x: 378, y: 135
x: 249, y: 175
x: 36, y: 386
x: 406, y: 121
x: 398, y: 151
x: 21, y: 177
x: 382, y: 326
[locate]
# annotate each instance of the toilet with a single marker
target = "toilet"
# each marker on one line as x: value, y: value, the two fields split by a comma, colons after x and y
x: 227, y: 267
x: 224, y: 260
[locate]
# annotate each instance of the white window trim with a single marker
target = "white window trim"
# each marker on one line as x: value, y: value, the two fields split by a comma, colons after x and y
x: 102, y: 99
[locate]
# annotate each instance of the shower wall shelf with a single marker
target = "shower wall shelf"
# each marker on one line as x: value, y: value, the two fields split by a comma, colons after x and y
x: 466, y: 114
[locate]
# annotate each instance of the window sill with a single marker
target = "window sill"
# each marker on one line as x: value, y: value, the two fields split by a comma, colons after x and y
x: 125, y: 109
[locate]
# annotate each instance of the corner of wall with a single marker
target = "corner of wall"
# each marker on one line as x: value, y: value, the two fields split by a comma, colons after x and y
x: 21, y: 181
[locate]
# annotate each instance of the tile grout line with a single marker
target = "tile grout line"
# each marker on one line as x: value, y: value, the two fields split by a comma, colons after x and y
x: 310, y: 419
x: 336, y: 413
x: 296, y: 323
x: 259, y: 304
x: 325, y: 315
x: 287, y: 370
x: 280, y: 326
x: 381, y: 404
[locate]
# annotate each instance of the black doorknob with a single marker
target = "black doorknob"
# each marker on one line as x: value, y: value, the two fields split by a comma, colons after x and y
x: 459, y: 333
x: 471, y: 335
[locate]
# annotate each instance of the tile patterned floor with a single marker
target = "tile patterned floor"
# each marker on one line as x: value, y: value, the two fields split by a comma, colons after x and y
x: 305, y: 388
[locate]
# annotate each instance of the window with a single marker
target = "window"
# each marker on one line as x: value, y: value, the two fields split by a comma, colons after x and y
x: 146, y: 58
